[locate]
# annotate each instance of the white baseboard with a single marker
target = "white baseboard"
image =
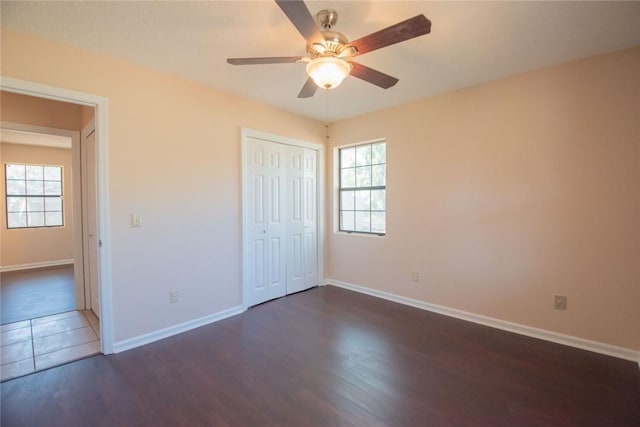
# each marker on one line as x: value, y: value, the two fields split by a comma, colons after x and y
x: 35, y: 265
x: 138, y: 341
x: 584, y: 344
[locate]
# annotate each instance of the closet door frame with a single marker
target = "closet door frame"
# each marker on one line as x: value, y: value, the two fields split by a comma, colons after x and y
x: 320, y: 215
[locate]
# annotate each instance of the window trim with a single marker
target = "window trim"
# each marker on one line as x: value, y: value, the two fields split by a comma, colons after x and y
x: 7, y: 195
x: 339, y: 188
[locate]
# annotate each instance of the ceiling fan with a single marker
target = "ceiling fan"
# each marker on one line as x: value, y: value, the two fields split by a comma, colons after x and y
x: 330, y: 53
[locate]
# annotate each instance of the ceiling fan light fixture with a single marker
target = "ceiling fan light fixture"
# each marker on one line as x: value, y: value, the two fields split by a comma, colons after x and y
x: 328, y: 72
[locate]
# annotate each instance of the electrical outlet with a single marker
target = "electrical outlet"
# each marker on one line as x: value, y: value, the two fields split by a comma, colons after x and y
x: 415, y: 276
x: 174, y: 297
x: 560, y: 302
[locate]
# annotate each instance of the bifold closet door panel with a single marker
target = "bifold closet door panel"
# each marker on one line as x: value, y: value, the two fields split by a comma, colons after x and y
x: 310, y: 211
x: 302, y: 239
x: 265, y: 168
x: 296, y: 253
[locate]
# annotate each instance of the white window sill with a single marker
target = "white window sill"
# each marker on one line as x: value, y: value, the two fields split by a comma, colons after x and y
x: 355, y: 233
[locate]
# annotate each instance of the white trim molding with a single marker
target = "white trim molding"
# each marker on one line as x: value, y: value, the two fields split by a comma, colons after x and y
x: 581, y: 343
x: 31, y: 265
x: 160, y: 334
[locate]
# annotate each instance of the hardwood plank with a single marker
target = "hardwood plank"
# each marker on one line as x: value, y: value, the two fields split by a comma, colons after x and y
x: 27, y: 294
x: 329, y: 356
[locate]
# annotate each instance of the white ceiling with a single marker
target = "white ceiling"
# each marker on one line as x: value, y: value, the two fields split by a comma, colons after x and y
x: 470, y: 43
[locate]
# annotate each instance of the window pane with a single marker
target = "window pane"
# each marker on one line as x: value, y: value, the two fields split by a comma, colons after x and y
x: 16, y: 220
x: 377, y: 200
x: 363, y: 200
x: 348, y: 178
x: 16, y: 204
x: 362, y: 168
x: 35, y: 219
x: 347, y: 157
x: 347, y: 202
x: 15, y: 171
x: 363, y: 221
x: 25, y: 202
x: 52, y: 188
x: 35, y: 204
x: 347, y: 220
x: 378, y: 153
x: 378, y: 175
x: 52, y: 173
x: 363, y: 176
x: 363, y: 155
x: 52, y: 204
x: 35, y: 173
x: 35, y: 188
x: 53, y: 219
x: 378, y: 222
x: 16, y: 188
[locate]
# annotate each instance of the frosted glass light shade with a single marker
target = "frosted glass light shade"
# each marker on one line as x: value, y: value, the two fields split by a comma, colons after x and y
x: 328, y: 72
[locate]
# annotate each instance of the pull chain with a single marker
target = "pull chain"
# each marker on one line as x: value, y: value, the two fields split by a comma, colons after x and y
x: 326, y: 113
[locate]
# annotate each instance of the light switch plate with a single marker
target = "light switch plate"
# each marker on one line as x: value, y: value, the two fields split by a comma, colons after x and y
x: 136, y: 220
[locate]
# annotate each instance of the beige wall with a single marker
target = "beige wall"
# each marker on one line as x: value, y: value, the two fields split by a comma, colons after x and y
x: 506, y: 194
x: 174, y: 157
x: 35, y: 245
x: 29, y: 110
x: 86, y: 115
x: 27, y: 246
x: 500, y: 196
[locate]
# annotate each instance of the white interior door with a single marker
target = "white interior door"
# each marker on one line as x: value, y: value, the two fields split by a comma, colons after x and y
x: 89, y: 206
x: 310, y: 211
x: 302, y: 242
x: 265, y: 240
x: 296, y: 215
x: 280, y: 213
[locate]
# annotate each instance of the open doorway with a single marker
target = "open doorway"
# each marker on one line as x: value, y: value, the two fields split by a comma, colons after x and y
x: 36, y: 253
x: 45, y: 317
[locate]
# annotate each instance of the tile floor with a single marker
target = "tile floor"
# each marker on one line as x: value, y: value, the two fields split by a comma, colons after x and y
x: 37, y: 344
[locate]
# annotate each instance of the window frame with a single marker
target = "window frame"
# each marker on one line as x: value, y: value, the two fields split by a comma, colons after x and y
x: 340, y: 189
x: 27, y: 196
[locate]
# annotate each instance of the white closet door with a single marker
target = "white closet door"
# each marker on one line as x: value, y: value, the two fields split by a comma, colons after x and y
x: 266, y: 221
x: 310, y: 212
x: 296, y: 254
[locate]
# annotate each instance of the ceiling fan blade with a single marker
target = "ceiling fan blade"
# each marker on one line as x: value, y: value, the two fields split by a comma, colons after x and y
x: 372, y: 76
x: 302, y: 19
x: 308, y: 89
x: 405, y: 30
x: 267, y: 60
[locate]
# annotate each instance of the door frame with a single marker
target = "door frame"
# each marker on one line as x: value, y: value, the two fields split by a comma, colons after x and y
x: 320, y: 214
x: 101, y: 105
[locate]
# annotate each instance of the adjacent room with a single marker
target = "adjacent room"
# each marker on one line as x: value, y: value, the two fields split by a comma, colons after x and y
x: 49, y: 314
x: 363, y: 213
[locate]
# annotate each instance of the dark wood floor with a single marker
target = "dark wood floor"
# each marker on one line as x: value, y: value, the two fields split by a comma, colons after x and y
x: 329, y: 357
x: 27, y: 294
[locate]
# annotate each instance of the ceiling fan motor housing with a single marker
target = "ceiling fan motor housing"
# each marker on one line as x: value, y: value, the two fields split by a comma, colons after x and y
x: 334, y: 42
x: 327, y: 18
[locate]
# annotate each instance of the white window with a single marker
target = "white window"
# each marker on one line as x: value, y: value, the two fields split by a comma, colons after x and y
x: 362, y: 188
x: 34, y: 196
